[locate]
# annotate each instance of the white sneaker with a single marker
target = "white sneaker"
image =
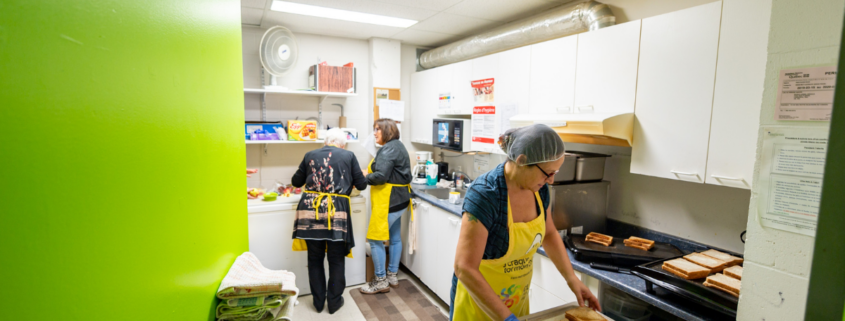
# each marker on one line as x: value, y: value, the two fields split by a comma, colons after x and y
x: 377, y: 285
x: 392, y: 278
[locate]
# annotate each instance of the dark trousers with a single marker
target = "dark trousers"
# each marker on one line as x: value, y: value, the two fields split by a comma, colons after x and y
x: 317, y: 273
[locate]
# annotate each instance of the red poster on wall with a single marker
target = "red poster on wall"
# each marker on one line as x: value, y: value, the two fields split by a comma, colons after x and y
x: 483, y: 90
x: 484, y: 124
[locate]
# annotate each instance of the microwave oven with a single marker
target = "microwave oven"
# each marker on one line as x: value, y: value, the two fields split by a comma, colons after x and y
x: 451, y: 134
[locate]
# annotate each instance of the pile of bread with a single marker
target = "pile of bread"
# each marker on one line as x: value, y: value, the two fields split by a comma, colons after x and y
x: 700, y: 265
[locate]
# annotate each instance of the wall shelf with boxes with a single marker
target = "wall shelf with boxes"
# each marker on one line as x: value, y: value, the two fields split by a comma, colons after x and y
x: 299, y: 92
x: 253, y: 142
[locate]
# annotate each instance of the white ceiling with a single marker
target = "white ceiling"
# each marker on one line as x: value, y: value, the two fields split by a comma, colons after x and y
x: 440, y: 21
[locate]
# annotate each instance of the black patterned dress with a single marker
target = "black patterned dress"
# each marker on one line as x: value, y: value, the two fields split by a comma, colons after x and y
x: 327, y: 170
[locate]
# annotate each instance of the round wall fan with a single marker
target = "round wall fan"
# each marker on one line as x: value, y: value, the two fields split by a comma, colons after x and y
x: 278, y: 52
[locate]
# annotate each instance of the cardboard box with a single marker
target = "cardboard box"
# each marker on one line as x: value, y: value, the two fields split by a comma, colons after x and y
x: 272, y: 130
x: 302, y: 130
x: 331, y: 78
x: 371, y: 271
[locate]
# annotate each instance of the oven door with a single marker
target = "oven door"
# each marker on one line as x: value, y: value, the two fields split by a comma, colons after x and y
x: 448, y: 134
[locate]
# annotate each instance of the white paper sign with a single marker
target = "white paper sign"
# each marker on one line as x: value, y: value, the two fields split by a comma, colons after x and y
x: 790, y: 182
x: 481, y: 163
x: 506, y: 111
x: 445, y: 101
x: 806, y: 93
x: 393, y: 109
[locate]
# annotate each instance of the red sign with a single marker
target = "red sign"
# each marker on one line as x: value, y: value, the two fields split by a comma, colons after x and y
x: 482, y: 83
x: 484, y: 110
x: 482, y: 139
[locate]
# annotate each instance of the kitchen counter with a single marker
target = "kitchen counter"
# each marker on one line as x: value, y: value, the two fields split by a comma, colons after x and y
x: 282, y: 203
x: 627, y: 283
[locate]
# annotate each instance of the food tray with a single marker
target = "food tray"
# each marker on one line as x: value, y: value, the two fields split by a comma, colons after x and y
x: 617, y: 253
x: 555, y: 314
x: 692, y: 290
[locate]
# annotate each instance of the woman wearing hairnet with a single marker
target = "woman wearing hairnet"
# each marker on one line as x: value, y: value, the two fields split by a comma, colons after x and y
x: 506, y: 218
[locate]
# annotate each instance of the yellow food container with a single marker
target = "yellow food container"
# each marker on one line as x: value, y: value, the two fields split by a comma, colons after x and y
x: 302, y: 130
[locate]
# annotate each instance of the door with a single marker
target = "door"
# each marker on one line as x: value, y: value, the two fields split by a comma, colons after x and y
x: 423, y: 105
x: 450, y: 227
x: 740, y: 73
x: 606, y: 72
x: 461, y: 89
x: 552, y: 76
x: 675, y: 93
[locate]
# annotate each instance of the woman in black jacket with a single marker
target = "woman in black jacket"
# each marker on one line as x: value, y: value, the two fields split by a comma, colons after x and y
x: 323, y: 220
x: 390, y: 192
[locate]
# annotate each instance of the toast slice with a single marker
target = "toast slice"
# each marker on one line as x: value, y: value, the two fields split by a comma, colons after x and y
x: 729, y: 259
x: 639, y: 243
x: 724, y: 283
x: 715, y: 265
x: 685, y: 269
x: 599, y: 238
x: 583, y: 314
x: 734, y: 272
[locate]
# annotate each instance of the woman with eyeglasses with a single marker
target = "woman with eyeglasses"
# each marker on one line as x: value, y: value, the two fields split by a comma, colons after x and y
x: 506, y: 218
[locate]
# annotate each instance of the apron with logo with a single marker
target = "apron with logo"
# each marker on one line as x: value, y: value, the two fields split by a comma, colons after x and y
x: 509, y: 275
x: 378, y: 229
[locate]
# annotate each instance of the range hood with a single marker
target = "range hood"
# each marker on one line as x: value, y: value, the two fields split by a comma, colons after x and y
x: 585, y: 128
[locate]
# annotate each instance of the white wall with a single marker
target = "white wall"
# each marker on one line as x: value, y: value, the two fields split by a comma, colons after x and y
x: 279, y: 161
x: 777, y: 263
x: 408, y: 66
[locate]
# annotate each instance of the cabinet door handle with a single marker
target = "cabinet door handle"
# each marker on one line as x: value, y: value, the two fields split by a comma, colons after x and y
x: 582, y: 109
x: 356, y: 211
x: 454, y: 221
x: 678, y: 175
x: 719, y: 178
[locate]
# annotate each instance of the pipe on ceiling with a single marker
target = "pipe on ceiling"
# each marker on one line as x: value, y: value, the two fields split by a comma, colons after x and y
x: 552, y: 24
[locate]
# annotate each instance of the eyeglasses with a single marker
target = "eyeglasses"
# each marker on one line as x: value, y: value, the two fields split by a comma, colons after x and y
x: 544, y: 172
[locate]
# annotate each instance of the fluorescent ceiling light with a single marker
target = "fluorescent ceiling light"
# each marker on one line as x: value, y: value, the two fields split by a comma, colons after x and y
x: 315, y: 11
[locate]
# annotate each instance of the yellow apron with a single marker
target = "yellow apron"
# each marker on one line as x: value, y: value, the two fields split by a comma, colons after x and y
x: 299, y: 244
x: 378, y: 230
x: 510, y: 275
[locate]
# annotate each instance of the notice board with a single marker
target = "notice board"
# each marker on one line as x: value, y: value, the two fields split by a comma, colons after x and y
x: 383, y: 93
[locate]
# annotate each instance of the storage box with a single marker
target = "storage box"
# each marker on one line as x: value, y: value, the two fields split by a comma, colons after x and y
x: 331, y: 78
x: 302, y: 130
x: 271, y: 131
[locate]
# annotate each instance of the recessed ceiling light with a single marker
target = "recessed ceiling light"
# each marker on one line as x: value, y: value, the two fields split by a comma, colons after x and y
x: 315, y: 11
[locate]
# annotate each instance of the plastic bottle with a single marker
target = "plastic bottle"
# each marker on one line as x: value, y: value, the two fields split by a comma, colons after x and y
x: 430, y: 173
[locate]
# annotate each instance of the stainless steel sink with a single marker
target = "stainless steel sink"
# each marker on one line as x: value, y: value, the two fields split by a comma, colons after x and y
x: 442, y: 193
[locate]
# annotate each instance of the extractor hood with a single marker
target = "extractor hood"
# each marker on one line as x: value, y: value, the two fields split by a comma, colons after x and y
x: 585, y: 128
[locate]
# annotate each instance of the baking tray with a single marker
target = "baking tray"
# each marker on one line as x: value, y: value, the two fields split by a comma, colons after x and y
x: 692, y: 290
x: 555, y: 314
x: 617, y: 253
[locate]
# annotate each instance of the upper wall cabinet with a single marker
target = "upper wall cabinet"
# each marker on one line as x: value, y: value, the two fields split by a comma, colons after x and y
x: 423, y: 104
x: 740, y: 74
x: 552, y: 76
x: 675, y: 93
x: 512, y: 83
x: 457, y: 87
x: 606, y: 71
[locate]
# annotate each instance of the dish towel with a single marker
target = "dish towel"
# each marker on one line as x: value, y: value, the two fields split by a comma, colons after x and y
x: 412, y: 226
x: 247, y: 278
x: 249, y: 308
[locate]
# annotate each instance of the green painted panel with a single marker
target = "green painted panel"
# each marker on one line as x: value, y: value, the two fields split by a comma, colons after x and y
x: 121, y: 157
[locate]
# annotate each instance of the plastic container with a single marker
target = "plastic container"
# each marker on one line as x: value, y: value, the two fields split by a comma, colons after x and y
x: 618, y: 303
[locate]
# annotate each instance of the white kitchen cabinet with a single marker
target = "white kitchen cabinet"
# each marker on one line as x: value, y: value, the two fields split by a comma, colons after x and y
x: 606, y: 71
x: 740, y: 73
x: 547, y: 275
x: 270, y: 227
x: 541, y: 299
x: 552, y: 76
x: 449, y: 229
x: 485, y: 67
x: 461, y: 88
x: 423, y: 104
x: 417, y: 261
x: 675, y: 93
x: 513, y: 78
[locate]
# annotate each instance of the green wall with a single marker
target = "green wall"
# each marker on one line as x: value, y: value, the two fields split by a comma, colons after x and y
x: 121, y: 157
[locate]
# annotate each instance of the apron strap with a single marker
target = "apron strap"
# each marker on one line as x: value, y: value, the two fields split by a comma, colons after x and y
x: 329, y: 206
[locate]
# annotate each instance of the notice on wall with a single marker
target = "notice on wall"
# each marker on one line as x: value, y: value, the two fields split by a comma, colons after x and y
x: 481, y: 163
x: 381, y: 94
x: 506, y: 111
x: 483, y: 90
x: 393, y: 109
x: 806, y: 94
x: 790, y: 182
x: 445, y: 101
x: 484, y: 124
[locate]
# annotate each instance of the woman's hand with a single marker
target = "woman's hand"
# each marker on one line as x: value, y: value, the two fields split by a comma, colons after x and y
x: 582, y: 292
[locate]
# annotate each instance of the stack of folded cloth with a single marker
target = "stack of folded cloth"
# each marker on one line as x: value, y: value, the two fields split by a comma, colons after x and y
x: 252, y: 292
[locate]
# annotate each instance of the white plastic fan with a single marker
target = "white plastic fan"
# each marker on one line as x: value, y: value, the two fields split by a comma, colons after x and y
x: 278, y: 52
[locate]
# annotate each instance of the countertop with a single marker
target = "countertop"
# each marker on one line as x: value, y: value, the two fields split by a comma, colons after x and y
x: 627, y: 283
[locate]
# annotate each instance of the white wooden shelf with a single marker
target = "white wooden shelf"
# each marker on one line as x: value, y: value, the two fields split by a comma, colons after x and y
x: 291, y: 142
x: 298, y: 92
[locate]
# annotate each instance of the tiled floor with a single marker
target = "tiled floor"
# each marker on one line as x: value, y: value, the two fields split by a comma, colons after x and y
x: 349, y: 312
